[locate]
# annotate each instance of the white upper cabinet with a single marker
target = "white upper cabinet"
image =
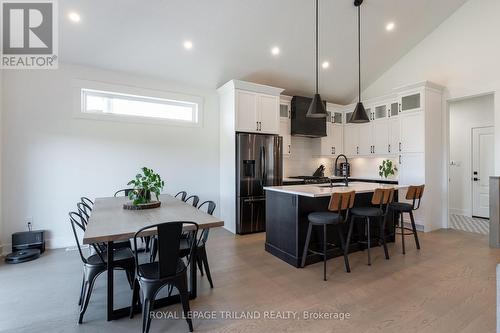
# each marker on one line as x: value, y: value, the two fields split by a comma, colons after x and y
x: 336, y: 133
x: 247, y: 118
x: 332, y: 143
x: 365, y: 139
x: 394, y: 136
x: 250, y: 107
x: 411, y: 101
x: 268, y: 113
x: 380, y: 112
x: 285, y: 126
x: 412, y: 132
x: 351, y: 140
x: 393, y: 109
x: 380, y: 137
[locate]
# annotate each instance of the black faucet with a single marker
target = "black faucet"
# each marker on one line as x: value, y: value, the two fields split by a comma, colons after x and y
x: 344, y: 169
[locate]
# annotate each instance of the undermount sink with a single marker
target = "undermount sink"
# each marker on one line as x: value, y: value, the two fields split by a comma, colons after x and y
x: 334, y: 185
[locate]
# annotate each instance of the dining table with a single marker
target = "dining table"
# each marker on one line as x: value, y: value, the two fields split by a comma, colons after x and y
x: 110, y: 222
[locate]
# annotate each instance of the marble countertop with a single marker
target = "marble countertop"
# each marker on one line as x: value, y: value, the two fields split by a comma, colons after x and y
x: 324, y: 190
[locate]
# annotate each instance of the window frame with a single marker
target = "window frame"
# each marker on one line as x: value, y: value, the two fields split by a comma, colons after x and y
x: 134, y: 94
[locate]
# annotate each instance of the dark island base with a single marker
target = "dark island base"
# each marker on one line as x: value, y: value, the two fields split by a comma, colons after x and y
x: 287, y: 223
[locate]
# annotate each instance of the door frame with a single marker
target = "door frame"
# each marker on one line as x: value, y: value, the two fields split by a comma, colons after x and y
x: 447, y: 101
x: 472, y: 164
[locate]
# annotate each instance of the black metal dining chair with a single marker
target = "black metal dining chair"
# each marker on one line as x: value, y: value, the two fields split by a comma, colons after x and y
x: 170, y: 270
x: 201, y: 251
x: 194, y: 198
x: 181, y: 195
x: 95, y: 264
x: 87, y: 201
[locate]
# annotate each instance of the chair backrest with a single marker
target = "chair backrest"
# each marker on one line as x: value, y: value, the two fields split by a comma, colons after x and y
x: 195, y: 199
x: 88, y: 202
x: 415, y: 193
x: 341, y: 201
x: 77, y: 222
x: 182, y: 194
x: 383, y: 197
x: 84, y: 211
x: 210, y: 206
x: 169, y: 237
x: 125, y: 191
x: 210, y: 210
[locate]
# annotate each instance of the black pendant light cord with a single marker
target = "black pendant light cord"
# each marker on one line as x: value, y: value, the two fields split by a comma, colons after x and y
x: 359, y: 53
x: 317, y: 56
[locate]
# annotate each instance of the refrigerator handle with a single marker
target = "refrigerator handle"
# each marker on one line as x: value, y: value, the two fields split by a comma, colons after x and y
x: 263, y: 165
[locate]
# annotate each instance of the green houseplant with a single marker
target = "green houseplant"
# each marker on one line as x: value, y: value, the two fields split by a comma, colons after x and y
x: 386, y: 169
x: 146, y: 183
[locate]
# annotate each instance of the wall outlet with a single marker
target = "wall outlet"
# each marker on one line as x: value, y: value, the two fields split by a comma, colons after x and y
x: 29, y: 222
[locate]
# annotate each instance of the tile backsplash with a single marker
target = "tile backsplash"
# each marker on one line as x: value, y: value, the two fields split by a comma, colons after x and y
x: 302, y: 162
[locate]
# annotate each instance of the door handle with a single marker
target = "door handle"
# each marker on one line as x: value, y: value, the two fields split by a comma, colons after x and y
x: 357, y: 149
x: 476, y: 179
x: 253, y: 200
x: 257, y: 125
x: 400, y: 146
x: 399, y: 159
x: 389, y: 148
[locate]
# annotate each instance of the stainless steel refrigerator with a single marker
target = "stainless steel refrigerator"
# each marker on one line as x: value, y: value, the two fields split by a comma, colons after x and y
x: 259, y: 163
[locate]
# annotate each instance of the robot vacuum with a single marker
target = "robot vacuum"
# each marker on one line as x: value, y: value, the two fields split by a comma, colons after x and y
x: 20, y: 256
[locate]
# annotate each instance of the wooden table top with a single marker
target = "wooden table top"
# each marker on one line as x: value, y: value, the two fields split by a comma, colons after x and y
x: 110, y: 222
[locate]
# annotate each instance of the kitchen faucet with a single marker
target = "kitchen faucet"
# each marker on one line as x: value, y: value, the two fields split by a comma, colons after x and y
x: 344, y: 169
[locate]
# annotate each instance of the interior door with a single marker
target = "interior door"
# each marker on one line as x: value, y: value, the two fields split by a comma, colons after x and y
x: 482, y: 169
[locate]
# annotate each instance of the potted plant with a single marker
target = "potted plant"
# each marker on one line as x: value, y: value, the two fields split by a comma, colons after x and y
x: 144, y: 185
x: 386, y: 169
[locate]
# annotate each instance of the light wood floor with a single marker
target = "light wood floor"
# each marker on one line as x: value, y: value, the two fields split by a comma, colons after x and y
x: 449, y: 286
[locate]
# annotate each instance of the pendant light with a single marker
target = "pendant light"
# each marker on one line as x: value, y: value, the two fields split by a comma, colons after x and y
x: 317, y: 108
x: 359, y: 115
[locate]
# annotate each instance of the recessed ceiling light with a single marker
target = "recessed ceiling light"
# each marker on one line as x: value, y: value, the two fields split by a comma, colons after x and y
x: 325, y: 64
x: 390, y: 26
x: 74, y: 17
x: 188, y: 45
x: 275, y: 51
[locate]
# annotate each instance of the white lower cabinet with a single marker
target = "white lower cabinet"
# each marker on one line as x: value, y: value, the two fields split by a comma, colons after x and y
x: 411, y: 169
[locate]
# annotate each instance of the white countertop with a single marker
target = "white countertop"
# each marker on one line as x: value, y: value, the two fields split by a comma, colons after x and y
x: 324, y: 190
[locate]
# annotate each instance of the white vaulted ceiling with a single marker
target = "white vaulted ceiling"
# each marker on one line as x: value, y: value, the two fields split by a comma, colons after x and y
x: 233, y: 39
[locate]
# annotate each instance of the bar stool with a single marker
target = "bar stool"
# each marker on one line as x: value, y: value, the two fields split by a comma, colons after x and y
x: 378, y: 211
x: 415, y: 194
x: 339, y: 206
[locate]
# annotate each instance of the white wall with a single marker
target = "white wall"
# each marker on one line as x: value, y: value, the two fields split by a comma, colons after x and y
x: 465, y: 115
x: 461, y: 54
x: 51, y: 159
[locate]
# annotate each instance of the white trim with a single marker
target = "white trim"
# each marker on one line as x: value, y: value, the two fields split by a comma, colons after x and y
x: 78, y: 85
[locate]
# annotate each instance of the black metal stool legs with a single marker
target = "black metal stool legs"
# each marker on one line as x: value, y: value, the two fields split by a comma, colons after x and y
x: 414, y: 227
x: 306, y: 245
x: 346, y: 247
x: 382, y: 237
x: 340, y: 231
x: 368, y: 239
x: 402, y: 231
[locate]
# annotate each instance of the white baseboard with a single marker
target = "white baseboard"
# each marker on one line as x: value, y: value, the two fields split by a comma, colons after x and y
x: 463, y: 212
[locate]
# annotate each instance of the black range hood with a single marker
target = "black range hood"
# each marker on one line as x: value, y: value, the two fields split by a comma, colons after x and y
x: 303, y: 125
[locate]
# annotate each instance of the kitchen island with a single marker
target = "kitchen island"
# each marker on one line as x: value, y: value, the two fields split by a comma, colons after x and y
x: 287, y: 208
